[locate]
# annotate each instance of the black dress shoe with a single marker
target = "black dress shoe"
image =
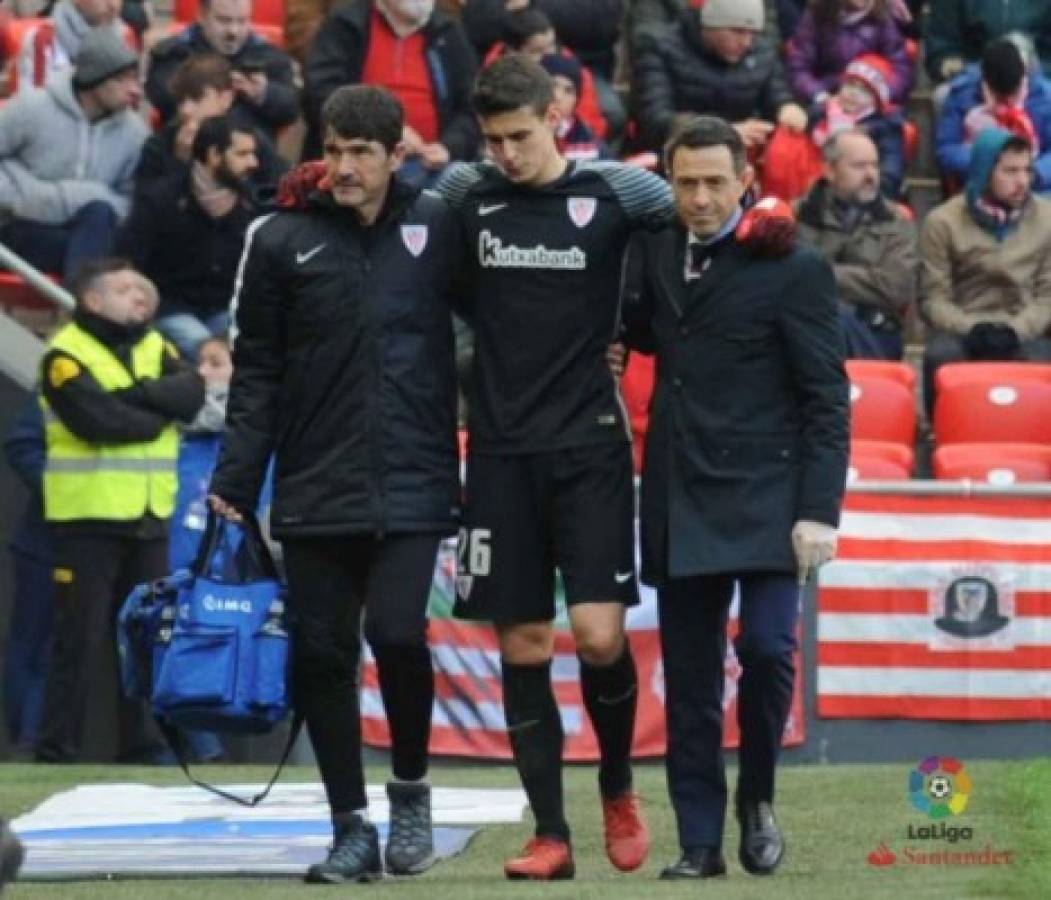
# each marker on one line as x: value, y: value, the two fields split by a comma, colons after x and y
x: 762, y: 843
x: 705, y: 862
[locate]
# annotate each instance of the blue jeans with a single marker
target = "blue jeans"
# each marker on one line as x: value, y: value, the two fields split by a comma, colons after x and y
x: 62, y: 249
x: 187, y: 330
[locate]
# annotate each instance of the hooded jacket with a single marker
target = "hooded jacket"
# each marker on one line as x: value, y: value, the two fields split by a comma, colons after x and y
x: 344, y: 369
x: 951, y: 147
x: 970, y: 275
x: 54, y: 160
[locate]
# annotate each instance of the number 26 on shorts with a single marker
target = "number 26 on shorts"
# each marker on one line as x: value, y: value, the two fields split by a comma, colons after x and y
x: 474, y: 555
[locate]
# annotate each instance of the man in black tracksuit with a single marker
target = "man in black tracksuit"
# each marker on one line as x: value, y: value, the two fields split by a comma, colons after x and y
x: 344, y: 368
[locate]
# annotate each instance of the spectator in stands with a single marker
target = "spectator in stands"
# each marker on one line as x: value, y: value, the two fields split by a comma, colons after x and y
x: 870, y: 243
x: 986, y: 285
x: 32, y: 561
x: 186, y: 234
x: 264, y: 90
x: 51, y: 47
x: 109, y: 487
x: 529, y: 31
x: 420, y: 55
x: 713, y: 62
x: 863, y: 101
x: 1002, y: 91
x: 831, y: 34
x: 203, y: 87
x: 67, y: 154
x: 959, y: 30
x: 574, y: 138
x: 590, y: 28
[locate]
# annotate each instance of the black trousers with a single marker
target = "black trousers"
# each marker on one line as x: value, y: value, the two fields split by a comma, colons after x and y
x: 693, y: 618
x: 332, y: 582
x: 93, y: 576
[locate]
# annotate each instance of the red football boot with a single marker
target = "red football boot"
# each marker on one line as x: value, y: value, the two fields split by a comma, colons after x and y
x: 543, y: 859
x: 627, y: 838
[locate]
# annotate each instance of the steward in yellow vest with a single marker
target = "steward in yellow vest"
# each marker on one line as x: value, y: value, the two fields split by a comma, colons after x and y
x: 112, y: 389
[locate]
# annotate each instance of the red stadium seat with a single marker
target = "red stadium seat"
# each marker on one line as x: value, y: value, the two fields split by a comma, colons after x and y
x: 953, y: 374
x: 910, y: 135
x: 901, y: 372
x: 636, y: 387
x: 999, y: 464
x: 264, y: 12
x: 994, y: 409
x: 880, y: 461
x: 16, y: 293
x: 881, y: 409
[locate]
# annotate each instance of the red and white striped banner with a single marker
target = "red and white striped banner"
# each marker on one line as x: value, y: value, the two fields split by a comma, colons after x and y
x: 937, y: 608
x: 468, y: 717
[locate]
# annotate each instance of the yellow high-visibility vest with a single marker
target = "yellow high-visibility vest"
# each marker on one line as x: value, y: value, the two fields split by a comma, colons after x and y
x: 117, y: 482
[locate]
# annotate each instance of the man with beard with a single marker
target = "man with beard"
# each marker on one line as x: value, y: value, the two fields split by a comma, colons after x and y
x: 186, y: 233
x: 869, y: 242
x: 986, y: 271
x: 67, y: 155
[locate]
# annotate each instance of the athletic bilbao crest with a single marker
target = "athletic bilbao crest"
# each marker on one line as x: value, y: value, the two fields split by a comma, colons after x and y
x: 582, y: 210
x: 414, y: 238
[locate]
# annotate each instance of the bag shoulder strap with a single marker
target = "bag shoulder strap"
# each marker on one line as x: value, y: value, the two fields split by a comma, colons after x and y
x: 178, y: 747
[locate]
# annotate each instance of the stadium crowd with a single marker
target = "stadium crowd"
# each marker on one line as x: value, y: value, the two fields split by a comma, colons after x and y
x: 162, y: 142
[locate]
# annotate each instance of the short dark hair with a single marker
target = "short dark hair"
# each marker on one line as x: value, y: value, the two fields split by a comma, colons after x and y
x: 91, y: 272
x: 522, y: 24
x: 197, y: 73
x: 511, y: 82
x: 1015, y: 144
x: 364, y: 111
x: 217, y: 132
x: 1003, y: 67
x: 706, y: 131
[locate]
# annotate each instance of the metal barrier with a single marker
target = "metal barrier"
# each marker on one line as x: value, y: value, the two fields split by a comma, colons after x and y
x: 37, y: 279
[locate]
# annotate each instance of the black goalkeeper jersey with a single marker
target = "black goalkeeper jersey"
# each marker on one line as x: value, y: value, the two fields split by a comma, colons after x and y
x: 545, y: 266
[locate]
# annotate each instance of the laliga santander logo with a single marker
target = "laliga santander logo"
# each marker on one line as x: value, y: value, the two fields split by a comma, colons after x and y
x: 939, y: 787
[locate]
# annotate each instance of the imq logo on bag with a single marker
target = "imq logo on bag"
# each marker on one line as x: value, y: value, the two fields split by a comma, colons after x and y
x: 212, y: 603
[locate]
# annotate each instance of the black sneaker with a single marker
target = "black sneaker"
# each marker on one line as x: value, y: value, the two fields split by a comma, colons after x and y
x: 11, y: 855
x: 355, y: 855
x: 410, y: 845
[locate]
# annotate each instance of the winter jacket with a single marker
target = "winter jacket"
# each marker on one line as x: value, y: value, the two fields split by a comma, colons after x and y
x: 190, y: 257
x: 953, y: 150
x: 344, y: 368
x: 748, y: 428
x: 816, y: 58
x: 280, y: 106
x: 962, y: 28
x: 54, y: 160
x: 673, y: 73
x: 969, y: 276
x: 25, y: 452
x: 590, y: 28
x: 875, y: 263
x: 338, y: 57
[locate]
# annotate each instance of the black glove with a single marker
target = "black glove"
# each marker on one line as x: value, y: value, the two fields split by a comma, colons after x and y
x: 993, y: 342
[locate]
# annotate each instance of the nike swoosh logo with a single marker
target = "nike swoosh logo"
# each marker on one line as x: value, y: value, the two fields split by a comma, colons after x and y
x: 488, y: 210
x: 621, y: 577
x: 302, y: 258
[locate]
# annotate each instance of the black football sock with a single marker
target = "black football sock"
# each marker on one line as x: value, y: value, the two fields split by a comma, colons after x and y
x: 407, y: 684
x: 610, y: 697
x: 534, y: 727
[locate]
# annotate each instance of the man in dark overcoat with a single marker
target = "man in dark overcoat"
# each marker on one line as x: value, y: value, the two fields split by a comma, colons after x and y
x: 743, y: 478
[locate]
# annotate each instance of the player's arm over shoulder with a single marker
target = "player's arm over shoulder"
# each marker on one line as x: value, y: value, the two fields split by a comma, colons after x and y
x: 645, y: 198
x: 457, y: 181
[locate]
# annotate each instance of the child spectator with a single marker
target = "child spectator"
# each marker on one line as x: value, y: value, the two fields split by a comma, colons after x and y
x: 834, y: 32
x: 864, y: 101
x: 575, y: 139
